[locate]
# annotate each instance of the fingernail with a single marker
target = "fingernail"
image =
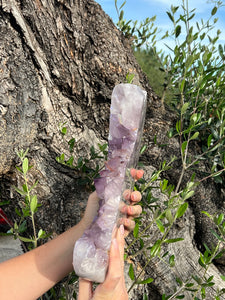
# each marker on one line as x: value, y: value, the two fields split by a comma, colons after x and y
x: 126, y: 194
x: 133, y: 197
x: 122, y: 229
x: 133, y: 172
x: 131, y: 210
x: 139, y: 174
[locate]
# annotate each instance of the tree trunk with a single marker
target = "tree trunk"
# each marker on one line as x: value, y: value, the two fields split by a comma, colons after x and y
x: 60, y: 60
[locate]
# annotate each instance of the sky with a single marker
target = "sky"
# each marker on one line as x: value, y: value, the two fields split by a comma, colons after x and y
x: 141, y: 9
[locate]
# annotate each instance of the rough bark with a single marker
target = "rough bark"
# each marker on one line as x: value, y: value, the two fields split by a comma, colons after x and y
x: 59, y: 61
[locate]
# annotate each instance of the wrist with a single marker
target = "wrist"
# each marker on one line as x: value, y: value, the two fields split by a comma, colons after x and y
x: 84, y: 224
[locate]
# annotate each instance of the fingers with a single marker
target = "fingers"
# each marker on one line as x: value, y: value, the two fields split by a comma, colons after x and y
x: 85, y: 289
x: 136, y: 174
x: 132, y: 211
x: 114, y: 286
x: 91, y: 209
x: 128, y: 224
x: 93, y: 198
x: 121, y: 242
x: 132, y: 197
x: 115, y: 270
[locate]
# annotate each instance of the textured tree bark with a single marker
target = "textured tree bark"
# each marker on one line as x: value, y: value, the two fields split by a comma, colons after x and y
x: 59, y: 61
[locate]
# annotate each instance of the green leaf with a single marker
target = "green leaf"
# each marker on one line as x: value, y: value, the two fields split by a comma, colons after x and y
x: 33, y: 203
x: 218, y: 179
x: 18, y: 212
x: 184, y: 108
x: 164, y: 185
x: 216, y: 235
x: 71, y: 143
x: 155, y: 249
x: 41, y: 233
x: 179, y: 281
x: 22, y: 227
x: 182, y: 85
x: 170, y: 16
x: 69, y: 162
x: 178, y: 126
x: 149, y: 280
x: 23, y: 239
x: 169, y: 241
x: 188, y: 195
x: 214, y: 11
x: 34, y: 185
x: 19, y: 191
x: 209, y: 140
x: 172, y: 260
x: 25, y: 188
x: 136, y: 230
x: 160, y: 226
x: 131, y: 272
x: 220, y: 49
x: 25, y: 165
x: 189, y: 61
x: 169, y: 216
x: 129, y: 77
x: 64, y: 130
x: 177, y: 31
x: 19, y: 169
x: 181, y: 210
x: 210, y: 279
x: 183, y: 147
x: 207, y: 214
x: 143, y: 149
x: 220, y: 219
x: 189, y: 284
x: 122, y: 5
x: 145, y: 297
x: 197, y: 279
x: 222, y: 277
x: 194, y: 118
x: 194, y: 136
x: 201, y: 261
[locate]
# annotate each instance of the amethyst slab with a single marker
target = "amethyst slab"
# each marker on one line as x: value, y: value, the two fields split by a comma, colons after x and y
x: 127, y: 114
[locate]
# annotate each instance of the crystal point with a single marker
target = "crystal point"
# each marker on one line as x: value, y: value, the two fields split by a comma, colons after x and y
x: 127, y: 113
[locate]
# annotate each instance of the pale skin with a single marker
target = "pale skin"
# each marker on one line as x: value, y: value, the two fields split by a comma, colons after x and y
x: 30, y: 275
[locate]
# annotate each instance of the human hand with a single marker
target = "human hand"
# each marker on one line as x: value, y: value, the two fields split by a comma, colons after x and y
x: 91, y: 210
x: 133, y: 210
x: 113, y: 288
x: 130, y: 211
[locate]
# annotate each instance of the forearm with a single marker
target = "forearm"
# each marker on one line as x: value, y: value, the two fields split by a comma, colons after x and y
x: 30, y: 275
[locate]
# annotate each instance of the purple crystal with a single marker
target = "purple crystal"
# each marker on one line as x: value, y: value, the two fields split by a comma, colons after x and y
x: 127, y: 113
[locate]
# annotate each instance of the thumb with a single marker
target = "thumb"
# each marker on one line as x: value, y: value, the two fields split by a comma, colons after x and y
x: 115, y: 269
x: 85, y: 289
x: 91, y: 209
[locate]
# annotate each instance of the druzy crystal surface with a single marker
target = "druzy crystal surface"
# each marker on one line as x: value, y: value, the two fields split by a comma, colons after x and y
x: 127, y: 113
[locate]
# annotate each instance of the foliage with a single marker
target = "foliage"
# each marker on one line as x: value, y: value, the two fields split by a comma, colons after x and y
x: 193, y: 75
x: 163, y: 217
x: 87, y: 168
x: 194, y: 72
x: 197, y: 68
x: 138, y: 32
x: 150, y: 64
x: 26, y: 210
x: 28, y: 206
x: 193, y: 80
